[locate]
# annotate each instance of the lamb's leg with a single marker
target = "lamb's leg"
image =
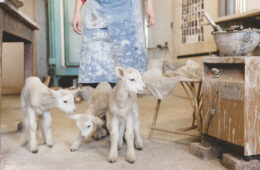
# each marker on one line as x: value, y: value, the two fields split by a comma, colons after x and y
x: 114, y: 140
x: 138, y: 138
x: 121, y: 134
x: 76, y: 143
x: 129, y: 136
x: 32, y: 130
x: 26, y: 119
x: 43, y: 129
x: 26, y: 127
x: 47, y: 128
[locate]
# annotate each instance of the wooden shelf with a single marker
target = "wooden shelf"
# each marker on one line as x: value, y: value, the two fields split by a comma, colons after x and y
x: 253, y: 13
x: 236, y: 17
x: 224, y: 60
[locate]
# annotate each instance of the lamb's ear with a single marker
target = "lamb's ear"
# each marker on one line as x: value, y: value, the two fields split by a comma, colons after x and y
x: 75, y: 116
x: 54, y: 93
x: 96, y: 120
x: 120, y: 72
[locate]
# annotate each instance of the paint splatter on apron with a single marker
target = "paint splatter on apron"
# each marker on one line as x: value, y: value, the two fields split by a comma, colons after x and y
x: 113, y: 36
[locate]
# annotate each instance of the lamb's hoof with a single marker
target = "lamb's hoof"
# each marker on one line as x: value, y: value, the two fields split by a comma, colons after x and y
x: 34, y: 148
x: 73, y: 150
x: 34, y: 151
x: 130, y: 157
x: 139, y: 144
x: 139, y: 147
x: 112, y: 158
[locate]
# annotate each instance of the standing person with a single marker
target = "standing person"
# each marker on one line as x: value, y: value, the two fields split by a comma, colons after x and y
x: 112, y: 36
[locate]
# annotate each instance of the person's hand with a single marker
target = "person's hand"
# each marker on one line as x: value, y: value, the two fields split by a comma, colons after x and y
x: 76, y: 23
x: 150, y: 14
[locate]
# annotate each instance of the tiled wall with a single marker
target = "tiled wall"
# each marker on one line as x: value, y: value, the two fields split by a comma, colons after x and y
x: 192, y: 17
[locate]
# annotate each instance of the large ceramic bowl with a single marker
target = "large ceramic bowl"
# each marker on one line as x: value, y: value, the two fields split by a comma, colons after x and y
x: 236, y: 43
x: 256, y: 52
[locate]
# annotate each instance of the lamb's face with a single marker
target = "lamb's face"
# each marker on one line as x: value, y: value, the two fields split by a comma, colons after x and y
x: 65, y: 101
x: 86, y: 123
x: 86, y: 127
x: 133, y: 78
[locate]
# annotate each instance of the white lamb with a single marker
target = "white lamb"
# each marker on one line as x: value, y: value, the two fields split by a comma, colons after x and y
x: 96, y: 110
x: 123, y: 115
x: 37, y: 99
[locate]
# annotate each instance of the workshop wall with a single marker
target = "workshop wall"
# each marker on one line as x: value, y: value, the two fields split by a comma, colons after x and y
x: 161, y: 32
x: 13, y: 66
x: 181, y: 48
x: 253, y: 4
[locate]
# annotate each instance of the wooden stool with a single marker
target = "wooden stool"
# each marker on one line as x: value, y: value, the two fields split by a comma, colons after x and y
x: 196, y: 104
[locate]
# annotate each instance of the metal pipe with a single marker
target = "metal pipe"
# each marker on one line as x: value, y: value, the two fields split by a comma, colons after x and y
x: 222, y: 8
x: 230, y: 7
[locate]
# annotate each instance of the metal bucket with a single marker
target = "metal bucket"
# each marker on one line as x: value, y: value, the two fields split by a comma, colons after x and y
x: 236, y: 43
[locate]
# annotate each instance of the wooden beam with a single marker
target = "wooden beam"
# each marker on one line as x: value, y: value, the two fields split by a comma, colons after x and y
x: 11, y: 9
x: 1, y: 39
x: 15, y: 27
x: 234, y: 17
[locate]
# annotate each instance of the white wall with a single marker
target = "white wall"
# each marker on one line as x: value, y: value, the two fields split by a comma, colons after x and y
x: 161, y: 31
x: 12, y: 68
x: 253, y: 4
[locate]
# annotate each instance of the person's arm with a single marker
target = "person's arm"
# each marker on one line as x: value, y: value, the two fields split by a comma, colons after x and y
x: 76, y: 23
x: 150, y: 14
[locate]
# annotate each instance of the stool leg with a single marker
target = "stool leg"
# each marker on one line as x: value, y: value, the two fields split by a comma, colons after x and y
x: 193, y: 119
x: 157, y: 108
x: 198, y: 116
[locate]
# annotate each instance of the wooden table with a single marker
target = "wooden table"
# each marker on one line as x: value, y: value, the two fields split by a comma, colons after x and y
x: 17, y: 27
x: 196, y: 103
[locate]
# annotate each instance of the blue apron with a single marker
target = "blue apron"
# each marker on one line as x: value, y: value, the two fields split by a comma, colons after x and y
x: 113, y: 36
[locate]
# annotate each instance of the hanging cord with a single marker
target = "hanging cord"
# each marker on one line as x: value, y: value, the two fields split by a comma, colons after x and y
x: 212, y: 110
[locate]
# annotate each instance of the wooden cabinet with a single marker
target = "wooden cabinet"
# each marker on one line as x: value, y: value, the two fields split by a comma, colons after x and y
x: 231, y: 103
x: 64, y: 43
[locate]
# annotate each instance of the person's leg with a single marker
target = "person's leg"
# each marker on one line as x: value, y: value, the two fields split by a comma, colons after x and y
x: 97, y: 61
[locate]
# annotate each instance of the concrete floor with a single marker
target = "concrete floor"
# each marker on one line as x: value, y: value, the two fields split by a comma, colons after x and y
x: 166, y: 151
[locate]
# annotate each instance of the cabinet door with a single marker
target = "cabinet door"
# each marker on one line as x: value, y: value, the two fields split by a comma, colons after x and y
x: 72, y: 40
x: 64, y: 43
